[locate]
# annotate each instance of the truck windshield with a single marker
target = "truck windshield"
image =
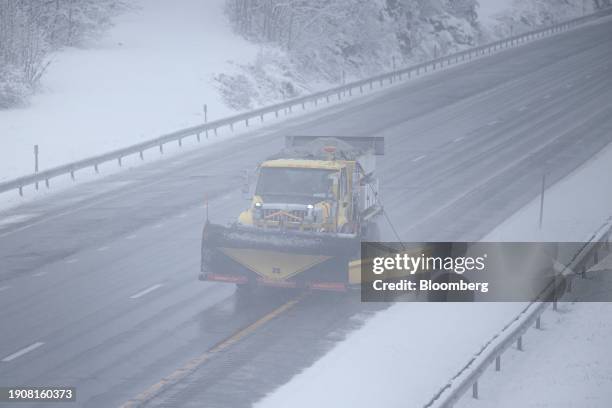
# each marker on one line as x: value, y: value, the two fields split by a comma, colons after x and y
x: 294, y: 182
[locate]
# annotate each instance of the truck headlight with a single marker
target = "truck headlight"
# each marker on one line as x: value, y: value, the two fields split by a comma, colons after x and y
x: 257, y: 210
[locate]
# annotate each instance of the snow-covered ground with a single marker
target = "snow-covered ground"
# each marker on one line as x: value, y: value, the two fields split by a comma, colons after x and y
x: 567, y: 364
x: 396, y: 359
x: 503, y: 17
x: 383, y: 363
x: 488, y: 9
x: 150, y: 74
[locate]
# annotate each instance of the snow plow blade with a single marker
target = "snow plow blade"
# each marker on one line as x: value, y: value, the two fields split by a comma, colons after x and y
x: 284, y: 258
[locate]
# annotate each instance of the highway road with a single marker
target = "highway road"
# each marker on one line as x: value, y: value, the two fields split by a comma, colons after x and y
x: 98, y: 284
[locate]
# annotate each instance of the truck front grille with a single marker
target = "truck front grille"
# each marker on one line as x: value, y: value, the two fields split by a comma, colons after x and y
x: 291, y: 216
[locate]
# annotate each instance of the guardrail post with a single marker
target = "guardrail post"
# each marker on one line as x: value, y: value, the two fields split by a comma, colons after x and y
x: 232, y: 126
x: 475, y: 390
x: 161, y: 149
x: 570, y: 282
x: 96, y: 169
x: 72, y: 174
x: 538, y: 322
x: 21, y: 191
x: 583, y: 272
x: 261, y: 118
x: 180, y: 142
x: 215, y: 129
x: 36, y: 162
x: 361, y: 89
x: 498, y: 363
x: 542, y: 199
x: 47, y: 183
x: 119, y: 161
x: 246, y: 122
x: 519, y: 343
x: 198, y: 136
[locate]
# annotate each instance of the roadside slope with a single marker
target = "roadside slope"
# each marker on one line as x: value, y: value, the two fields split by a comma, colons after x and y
x: 150, y: 74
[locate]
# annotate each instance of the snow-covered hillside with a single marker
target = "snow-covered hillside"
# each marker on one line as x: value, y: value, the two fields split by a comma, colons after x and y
x: 150, y: 74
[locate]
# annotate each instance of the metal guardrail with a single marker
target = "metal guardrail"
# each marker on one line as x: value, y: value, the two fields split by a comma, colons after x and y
x: 287, y: 106
x: 513, y: 333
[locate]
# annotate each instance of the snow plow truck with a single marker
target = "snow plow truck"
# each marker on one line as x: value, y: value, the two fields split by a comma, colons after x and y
x: 313, y: 203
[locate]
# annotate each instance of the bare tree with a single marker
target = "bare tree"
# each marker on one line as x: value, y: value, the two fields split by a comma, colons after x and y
x: 31, y: 29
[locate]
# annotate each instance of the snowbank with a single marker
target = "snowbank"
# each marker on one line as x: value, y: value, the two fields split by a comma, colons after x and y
x: 400, y: 357
x: 150, y: 74
x: 567, y: 364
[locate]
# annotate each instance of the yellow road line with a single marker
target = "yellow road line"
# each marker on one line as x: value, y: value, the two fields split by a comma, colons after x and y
x: 195, y: 363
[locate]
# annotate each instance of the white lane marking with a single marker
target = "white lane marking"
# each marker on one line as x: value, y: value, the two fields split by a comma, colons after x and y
x: 4, y: 288
x: 22, y: 351
x: 14, y: 219
x: 131, y: 236
x: 102, y: 248
x: 493, y: 123
x: 40, y: 274
x: 144, y: 292
x: 522, y: 108
x: 182, y: 215
x: 459, y: 139
x: 157, y: 226
x: 419, y: 158
x: 72, y: 260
